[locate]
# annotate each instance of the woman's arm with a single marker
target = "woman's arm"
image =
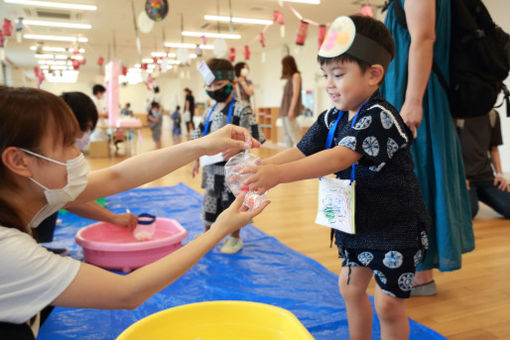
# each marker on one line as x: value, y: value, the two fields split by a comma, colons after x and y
x: 319, y: 164
x: 149, y: 166
x: 296, y: 89
x: 421, y: 20
x: 94, y: 287
x: 499, y: 180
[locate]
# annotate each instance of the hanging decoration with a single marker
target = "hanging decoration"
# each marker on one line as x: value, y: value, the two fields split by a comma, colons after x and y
x: 19, y: 29
x: 220, y: 48
x: 2, y: 45
x: 39, y: 75
x: 7, y: 27
x: 198, y: 51
x: 263, y: 57
x: 183, y: 55
x: 124, y: 70
x: 100, y: 61
x: 366, y: 11
x: 138, y: 44
x: 302, y: 33
x: 156, y: 9
x: 144, y: 66
x: 39, y: 48
x: 76, y: 64
x: 247, y: 52
x: 83, y: 61
x: 278, y: 18
x: 145, y: 24
x: 322, y: 34
x: 262, y: 40
x: 232, y: 54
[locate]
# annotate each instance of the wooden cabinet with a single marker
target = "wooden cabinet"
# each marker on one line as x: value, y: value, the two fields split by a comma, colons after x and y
x: 266, y: 118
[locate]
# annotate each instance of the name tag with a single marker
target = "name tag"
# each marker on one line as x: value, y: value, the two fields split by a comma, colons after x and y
x: 337, y: 204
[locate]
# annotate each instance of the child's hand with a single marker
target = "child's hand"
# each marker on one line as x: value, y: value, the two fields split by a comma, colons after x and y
x: 195, y: 169
x: 126, y: 220
x: 236, y: 216
x: 226, y: 139
x: 262, y: 178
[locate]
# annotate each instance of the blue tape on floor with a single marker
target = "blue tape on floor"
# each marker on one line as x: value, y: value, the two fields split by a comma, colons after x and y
x: 264, y: 271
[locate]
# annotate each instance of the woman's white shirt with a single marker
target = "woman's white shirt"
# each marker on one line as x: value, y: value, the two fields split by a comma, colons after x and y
x: 31, y: 277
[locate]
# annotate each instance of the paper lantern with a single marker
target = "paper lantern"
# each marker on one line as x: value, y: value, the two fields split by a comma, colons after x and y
x: 124, y: 70
x: 156, y: 9
x: 262, y: 40
x: 155, y: 60
x: 232, y: 54
x: 76, y: 64
x: 144, y: 23
x: 2, y: 39
x: 7, y: 27
x: 247, y: 52
x: 100, y: 61
x: 83, y: 61
x: 203, y: 39
x: 322, y: 34
x: 278, y: 17
x: 144, y: 66
x: 301, y: 33
x: 220, y: 48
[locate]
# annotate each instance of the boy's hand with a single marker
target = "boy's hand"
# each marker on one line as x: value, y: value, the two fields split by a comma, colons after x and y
x: 195, y: 169
x: 262, y: 178
x: 236, y: 216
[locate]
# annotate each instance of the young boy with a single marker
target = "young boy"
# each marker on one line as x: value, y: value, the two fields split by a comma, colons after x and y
x: 362, y: 138
x: 226, y: 110
x: 176, y: 128
x: 155, y: 118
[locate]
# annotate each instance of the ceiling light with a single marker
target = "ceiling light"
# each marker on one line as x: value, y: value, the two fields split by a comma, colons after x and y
x: 50, y: 56
x: 311, y: 2
x: 54, y: 62
x: 59, y: 67
x: 67, y: 76
x: 52, y: 4
x: 163, y: 54
x: 55, y: 37
x: 211, y: 35
x: 147, y: 60
x: 187, y: 45
x: 239, y: 20
x: 56, y: 24
x: 56, y: 49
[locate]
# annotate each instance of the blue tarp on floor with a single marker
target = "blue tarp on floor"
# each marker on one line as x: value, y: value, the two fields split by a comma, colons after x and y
x: 264, y: 271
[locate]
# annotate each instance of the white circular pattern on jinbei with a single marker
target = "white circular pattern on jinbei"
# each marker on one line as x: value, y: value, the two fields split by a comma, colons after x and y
x: 393, y: 259
x: 365, y: 258
x: 405, y: 281
x: 381, y: 276
x: 348, y: 142
x: 371, y: 146
x: 391, y: 147
x: 363, y: 123
x: 386, y: 120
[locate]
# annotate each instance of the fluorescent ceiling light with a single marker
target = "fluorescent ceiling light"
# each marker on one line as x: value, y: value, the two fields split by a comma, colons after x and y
x: 54, y: 62
x: 311, y: 2
x: 52, y: 4
x: 239, y: 20
x: 147, y: 60
x: 55, y: 37
x: 56, y: 49
x: 163, y: 54
x: 187, y: 45
x: 211, y: 35
x: 56, y: 24
x: 59, y: 67
x: 50, y: 56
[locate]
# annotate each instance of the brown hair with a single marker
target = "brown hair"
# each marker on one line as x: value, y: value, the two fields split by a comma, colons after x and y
x: 26, y: 116
x: 289, y: 67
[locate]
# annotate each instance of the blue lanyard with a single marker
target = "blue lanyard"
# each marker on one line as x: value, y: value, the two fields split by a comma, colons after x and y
x: 331, y: 133
x: 229, y: 119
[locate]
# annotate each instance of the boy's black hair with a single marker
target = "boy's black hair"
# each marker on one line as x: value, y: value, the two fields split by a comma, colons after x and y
x: 155, y: 105
x: 156, y: 89
x: 128, y: 104
x: 238, y: 67
x: 83, y: 108
x: 98, y: 88
x: 221, y: 65
x: 370, y: 28
x: 177, y: 108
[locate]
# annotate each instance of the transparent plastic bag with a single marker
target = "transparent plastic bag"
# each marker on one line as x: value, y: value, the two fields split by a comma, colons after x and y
x: 234, y: 178
x: 146, y: 227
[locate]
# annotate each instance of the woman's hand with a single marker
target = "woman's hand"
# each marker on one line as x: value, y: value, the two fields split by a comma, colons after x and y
x: 501, y: 184
x: 226, y: 139
x: 195, y: 169
x: 236, y: 216
x: 262, y: 178
x: 127, y: 220
x: 412, y: 114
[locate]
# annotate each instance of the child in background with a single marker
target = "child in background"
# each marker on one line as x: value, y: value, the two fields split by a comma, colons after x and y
x: 176, y: 128
x: 226, y: 110
x: 362, y: 138
x: 126, y: 111
x: 155, y: 118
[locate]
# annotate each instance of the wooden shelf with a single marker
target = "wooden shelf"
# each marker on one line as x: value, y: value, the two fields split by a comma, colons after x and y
x: 266, y: 118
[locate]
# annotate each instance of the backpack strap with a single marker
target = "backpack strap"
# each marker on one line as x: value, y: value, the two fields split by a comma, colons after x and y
x: 506, y: 98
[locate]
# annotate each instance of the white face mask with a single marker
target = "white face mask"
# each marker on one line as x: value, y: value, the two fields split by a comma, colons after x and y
x: 77, y: 179
x: 244, y: 72
x: 82, y: 142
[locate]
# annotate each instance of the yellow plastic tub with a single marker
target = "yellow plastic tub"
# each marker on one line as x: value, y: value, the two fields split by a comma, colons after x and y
x: 219, y: 320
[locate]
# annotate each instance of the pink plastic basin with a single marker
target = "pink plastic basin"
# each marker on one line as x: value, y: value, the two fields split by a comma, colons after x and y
x: 113, y: 247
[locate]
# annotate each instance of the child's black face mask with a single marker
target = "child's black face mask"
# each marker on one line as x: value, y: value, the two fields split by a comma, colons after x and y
x: 221, y: 94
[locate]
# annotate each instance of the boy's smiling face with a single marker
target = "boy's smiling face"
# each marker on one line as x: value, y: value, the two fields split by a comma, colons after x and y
x: 347, y: 85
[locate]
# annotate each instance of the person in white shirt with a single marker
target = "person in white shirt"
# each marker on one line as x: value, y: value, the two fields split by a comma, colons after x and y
x: 42, y: 171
